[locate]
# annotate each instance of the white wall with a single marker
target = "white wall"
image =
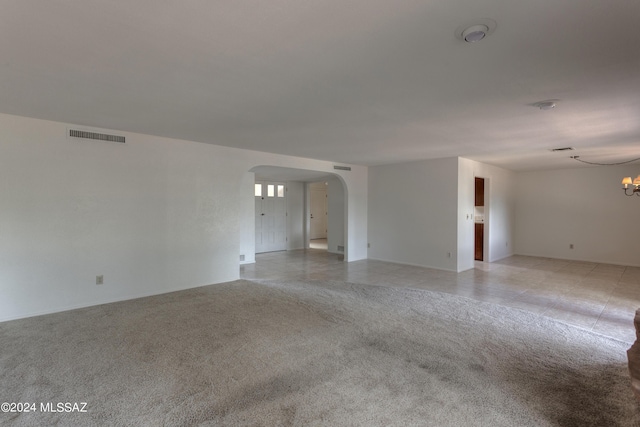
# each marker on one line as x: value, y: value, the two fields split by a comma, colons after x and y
x: 295, y: 215
x: 248, y: 229
x: 499, y: 224
x: 413, y: 211
x: 356, y: 228
x: 583, y: 206
x: 152, y: 215
x: 336, y: 215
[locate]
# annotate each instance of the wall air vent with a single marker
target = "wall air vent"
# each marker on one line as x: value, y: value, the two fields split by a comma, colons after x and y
x: 563, y: 149
x: 74, y: 133
x: 342, y: 168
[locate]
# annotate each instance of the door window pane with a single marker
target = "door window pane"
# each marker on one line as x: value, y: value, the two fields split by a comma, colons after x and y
x: 258, y: 190
x: 280, y: 190
x: 271, y: 190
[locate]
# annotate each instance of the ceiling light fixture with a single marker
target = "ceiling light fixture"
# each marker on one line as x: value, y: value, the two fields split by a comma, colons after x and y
x: 626, y: 181
x: 475, y: 33
x: 476, y: 30
x: 549, y: 104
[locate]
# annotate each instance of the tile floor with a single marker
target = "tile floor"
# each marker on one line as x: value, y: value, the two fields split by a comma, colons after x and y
x: 319, y: 244
x: 598, y: 297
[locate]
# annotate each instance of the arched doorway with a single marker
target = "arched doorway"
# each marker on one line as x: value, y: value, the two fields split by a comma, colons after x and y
x: 297, y: 213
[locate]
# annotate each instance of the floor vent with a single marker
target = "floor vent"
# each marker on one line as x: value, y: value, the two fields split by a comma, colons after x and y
x: 74, y: 133
x: 340, y: 248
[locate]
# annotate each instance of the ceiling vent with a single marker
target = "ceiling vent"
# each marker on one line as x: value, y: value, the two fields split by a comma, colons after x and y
x: 563, y: 149
x: 75, y: 133
x: 342, y: 168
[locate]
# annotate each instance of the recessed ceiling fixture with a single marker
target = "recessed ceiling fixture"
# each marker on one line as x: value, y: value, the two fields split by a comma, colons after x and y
x: 475, y: 33
x: 476, y: 30
x: 549, y: 104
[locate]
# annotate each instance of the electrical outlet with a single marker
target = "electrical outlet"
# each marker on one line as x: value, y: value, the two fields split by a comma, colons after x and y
x: 368, y: 245
x: 99, y: 280
x: 571, y: 246
x: 448, y: 254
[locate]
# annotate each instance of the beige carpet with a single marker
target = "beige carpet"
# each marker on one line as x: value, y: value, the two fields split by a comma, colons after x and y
x: 313, y: 353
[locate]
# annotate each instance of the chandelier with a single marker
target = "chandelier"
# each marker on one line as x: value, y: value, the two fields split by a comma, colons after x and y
x: 630, y: 186
x: 635, y: 186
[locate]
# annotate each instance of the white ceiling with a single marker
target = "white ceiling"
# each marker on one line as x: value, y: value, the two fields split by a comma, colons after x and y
x: 364, y: 81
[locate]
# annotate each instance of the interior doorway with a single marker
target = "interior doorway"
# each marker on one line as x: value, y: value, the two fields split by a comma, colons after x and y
x: 318, y: 215
x: 478, y: 218
x: 271, y: 216
x: 294, y: 229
